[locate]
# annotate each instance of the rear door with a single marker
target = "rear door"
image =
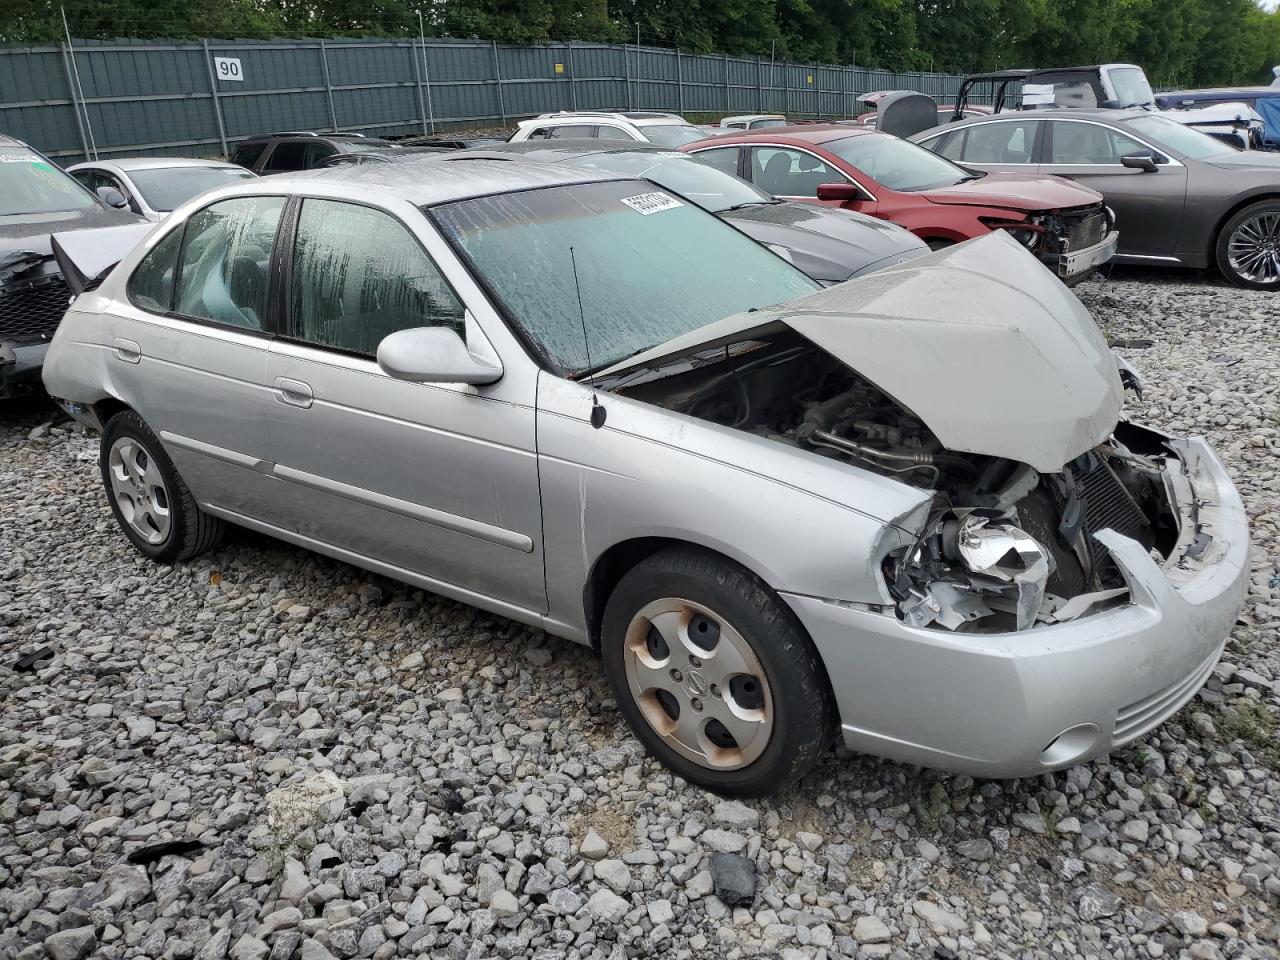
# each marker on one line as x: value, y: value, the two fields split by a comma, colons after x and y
x: 1148, y: 206
x: 189, y: 350
x: 440, y: 480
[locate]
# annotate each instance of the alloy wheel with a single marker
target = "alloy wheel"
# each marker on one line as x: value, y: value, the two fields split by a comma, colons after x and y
x: 139, y: 490
x: 1253, y: 249
x: 698, y: 684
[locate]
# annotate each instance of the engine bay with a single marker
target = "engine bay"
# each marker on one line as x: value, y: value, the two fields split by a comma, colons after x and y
x: 1004, y: 547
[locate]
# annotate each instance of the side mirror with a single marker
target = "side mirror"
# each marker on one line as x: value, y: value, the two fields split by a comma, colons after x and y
x: 842, y: 192
x: 1140, y: 161
x: 434, y: 355
x: 112, y: 197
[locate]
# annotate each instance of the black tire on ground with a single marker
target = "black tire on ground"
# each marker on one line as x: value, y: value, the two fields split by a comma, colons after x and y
x: 1265, y: 208
x: 191, y: 530
x: 804, y: 716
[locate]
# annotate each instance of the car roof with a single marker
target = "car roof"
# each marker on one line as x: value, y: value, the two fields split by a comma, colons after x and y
x: 129, y: 164
x: 406, y: 181
x: 1061, y: 113
x: 814, y: 133
x: 553, y: 151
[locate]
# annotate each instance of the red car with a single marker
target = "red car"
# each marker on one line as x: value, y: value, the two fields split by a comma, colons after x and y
x: 1064, y: 224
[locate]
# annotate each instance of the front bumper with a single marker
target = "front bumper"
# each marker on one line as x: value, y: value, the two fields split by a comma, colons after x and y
x: 1079, y: 263
x: 1020, y: 704
x: 20, y: 368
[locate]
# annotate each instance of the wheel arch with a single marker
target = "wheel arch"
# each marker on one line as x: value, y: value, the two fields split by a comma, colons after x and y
x: 1266, y: 195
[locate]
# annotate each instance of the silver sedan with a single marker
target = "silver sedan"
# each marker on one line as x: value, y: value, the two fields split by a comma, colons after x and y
x: 905, y: 507
x: 153, y: 186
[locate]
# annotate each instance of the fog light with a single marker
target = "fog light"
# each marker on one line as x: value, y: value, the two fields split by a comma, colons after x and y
x: 1070, y: 745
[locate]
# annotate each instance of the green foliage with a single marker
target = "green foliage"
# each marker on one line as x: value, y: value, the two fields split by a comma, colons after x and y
x: 1178, y: 42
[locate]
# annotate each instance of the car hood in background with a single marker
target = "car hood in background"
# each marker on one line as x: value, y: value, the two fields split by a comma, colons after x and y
x: 31, y: 231
x: 827, y: 244
x: 1018, y: 191
x: 979, y: 341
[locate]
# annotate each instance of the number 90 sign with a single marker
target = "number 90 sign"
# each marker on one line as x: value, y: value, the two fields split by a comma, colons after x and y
x: 227, y: 68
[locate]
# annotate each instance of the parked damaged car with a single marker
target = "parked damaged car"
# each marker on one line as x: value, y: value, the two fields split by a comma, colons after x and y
x: 36, y: 199
x: 907, y: 507
x: 866, y: 171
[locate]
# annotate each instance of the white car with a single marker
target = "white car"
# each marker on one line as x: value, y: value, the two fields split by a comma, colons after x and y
x: 664, y: 129
x: 153, y: 186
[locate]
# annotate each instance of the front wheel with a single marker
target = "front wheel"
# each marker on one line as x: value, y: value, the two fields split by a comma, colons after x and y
x: 714, y: 674
x: 1248, y: 249
x: 149, y: 499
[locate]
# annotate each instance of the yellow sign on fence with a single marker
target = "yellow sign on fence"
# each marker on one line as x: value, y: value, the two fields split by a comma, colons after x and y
x: 559, y: 68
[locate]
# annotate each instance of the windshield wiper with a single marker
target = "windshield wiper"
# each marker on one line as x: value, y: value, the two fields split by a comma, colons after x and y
x: 752, y: 203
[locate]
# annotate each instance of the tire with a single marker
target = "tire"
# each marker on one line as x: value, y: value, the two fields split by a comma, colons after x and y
x: 735, y: 651
x: 937, y: 244
x: 150, y: 501
x: 1248, y: 248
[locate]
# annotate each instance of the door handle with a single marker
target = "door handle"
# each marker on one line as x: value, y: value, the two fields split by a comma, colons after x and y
x: 126, y: 350
x: 294, y: 392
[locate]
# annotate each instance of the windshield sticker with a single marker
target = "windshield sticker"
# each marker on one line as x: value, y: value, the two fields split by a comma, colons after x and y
x: 647, y: 203
x: 19, y: 158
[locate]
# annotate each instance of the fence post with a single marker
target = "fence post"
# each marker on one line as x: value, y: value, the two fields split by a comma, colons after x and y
x: 728, y: 107
x: 759, y: 84
x: 679, y: 82
x: 497, y: 73
x: 328, y: 88
x: 626, y: 59
x: 75, y: 103
x: 417, y: 77
x: 213, y: 92
x: 573, y: 80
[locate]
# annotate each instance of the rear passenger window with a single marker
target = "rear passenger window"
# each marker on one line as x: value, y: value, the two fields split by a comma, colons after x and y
x: 151, y: 285
x: 247, y: 154
x: 226, y: 260
x: 360, y: 275
x: 290, y: 155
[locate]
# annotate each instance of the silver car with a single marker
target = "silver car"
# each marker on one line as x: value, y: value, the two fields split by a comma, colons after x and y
x: 153, y: 186
x: 905, y: 507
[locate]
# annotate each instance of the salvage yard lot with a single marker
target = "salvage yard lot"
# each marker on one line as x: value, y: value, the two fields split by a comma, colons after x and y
x: 479, y: 756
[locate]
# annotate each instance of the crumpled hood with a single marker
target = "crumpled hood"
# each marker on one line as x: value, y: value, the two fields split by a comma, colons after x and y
x: 1017, y: 191
x: 827, y: 244
x: 979, y: 341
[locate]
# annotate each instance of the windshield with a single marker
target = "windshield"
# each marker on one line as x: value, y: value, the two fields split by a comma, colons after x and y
x: 368, y: 143
x: 897, y: 164
x: 167, y: 187
x: 709, y: 188
x: 672, y: 134
x: 1169, y: 133
x: 650, y: 267
x: 31, y: 184
x: 1131, y: 87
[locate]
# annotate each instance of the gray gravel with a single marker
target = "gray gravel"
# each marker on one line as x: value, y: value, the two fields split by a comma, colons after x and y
x: 342, y: 766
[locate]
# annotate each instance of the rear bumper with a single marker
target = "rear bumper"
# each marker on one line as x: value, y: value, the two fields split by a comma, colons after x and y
x: 1078, y: 263
x: 20, y: 368
x: 1023, y: 703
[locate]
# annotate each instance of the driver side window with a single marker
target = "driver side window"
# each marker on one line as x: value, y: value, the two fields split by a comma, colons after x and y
x: 360, y: 275
x: 791, y: 173
x: 1086, y: 143
x: 226, y: 260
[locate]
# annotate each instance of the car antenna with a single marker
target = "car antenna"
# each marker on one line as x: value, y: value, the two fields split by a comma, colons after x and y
x: 598, y: 413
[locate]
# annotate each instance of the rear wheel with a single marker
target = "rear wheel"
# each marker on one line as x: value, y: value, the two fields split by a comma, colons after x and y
x: 1248, y: 248
x: 149, y: 499
x: 939, y: 244
x: 714, y: 674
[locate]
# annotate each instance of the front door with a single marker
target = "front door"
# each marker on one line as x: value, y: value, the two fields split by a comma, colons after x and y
x: 440, y: 480
x: 1148, y: 206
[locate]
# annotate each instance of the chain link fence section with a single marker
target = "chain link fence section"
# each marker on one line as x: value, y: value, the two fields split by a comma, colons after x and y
x: 140, y: 98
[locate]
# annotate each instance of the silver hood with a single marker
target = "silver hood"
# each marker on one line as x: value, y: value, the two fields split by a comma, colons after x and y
x: 979, y: 341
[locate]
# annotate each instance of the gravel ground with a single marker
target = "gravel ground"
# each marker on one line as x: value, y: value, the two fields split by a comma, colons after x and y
x: 269, y: 754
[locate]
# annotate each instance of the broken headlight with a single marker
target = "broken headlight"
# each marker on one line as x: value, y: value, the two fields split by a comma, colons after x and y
x: 970, y: 566
x: 1027, y: 234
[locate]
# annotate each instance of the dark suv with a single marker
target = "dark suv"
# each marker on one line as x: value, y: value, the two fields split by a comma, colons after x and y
x: 300, y: 150
x: 37, y: 199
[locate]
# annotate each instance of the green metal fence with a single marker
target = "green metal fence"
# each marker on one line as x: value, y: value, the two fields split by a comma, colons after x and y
x: 125, y: 97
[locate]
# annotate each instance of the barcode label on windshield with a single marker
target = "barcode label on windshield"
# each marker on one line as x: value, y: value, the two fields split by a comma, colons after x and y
x: 647, y: 203
x: 20, y: 158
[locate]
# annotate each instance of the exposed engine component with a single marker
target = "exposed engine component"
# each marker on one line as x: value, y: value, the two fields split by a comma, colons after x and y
x: 1004, y: 547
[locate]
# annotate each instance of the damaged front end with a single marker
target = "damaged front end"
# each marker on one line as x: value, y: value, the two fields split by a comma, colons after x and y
x: 1015, y: 550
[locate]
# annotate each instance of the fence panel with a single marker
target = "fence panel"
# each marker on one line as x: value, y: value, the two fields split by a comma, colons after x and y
x: 161, y: 97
